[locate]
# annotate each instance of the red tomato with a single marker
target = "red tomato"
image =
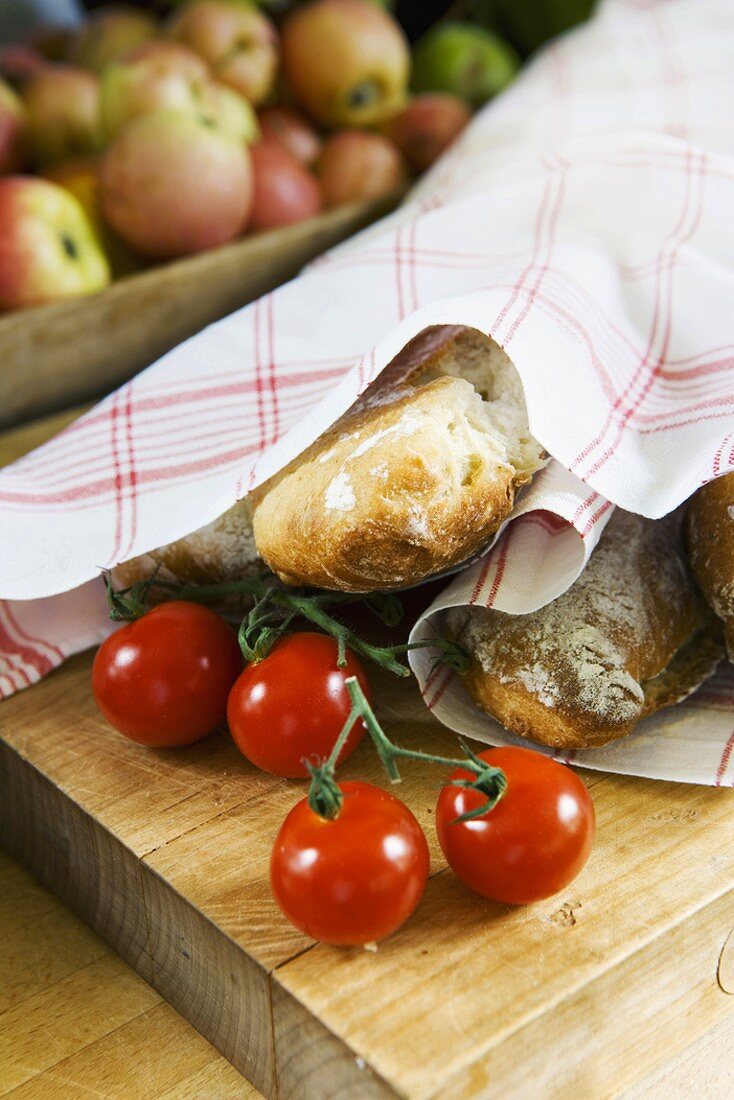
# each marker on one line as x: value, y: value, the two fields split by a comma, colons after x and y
x: 164, y: 679
x: 293, y: 705
x: 355, y: 879
x: 536, y: 839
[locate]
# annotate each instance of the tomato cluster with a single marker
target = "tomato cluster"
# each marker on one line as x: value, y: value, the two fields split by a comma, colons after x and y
x: 171, y: 677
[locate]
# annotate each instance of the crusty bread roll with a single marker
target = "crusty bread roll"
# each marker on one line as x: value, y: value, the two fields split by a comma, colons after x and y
x: 223, y: 550
x: 415, y: 478
x: 631, y: 636
x: 710, y: 536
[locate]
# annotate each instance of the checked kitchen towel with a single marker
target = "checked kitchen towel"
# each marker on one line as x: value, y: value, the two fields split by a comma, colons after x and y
x: 584, y: 221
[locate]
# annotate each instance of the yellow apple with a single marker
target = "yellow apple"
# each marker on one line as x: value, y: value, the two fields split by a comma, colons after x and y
x: 62, y: 102
x: 156, y: 76
x: 346, y: 62
x: 109, y: 34
x: 48, y: 249
x: 12, y: 130
x: 239, y: 43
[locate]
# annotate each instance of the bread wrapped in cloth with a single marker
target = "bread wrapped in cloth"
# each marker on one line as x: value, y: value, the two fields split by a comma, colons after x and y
x: 415, y: 478
x: 223, y: 550
x: 631, y: 636
x: 710, y: 533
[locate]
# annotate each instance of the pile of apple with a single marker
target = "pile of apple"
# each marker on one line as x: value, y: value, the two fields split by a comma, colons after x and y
x: 151, y: 141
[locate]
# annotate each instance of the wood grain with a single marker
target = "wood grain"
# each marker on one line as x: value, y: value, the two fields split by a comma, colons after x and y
x: 154, y: 1053
x: 55, y: 355
x: 467, y: 1000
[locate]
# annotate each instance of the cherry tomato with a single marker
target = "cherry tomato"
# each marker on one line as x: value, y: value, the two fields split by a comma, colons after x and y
x: 164, y: 679
x: 535, y: 840
x: 293, y: 705
x: 355, y: 879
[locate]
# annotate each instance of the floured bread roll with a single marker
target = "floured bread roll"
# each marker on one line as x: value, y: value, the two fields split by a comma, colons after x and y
x: 631, y: 636
x: 710, y: 530
x: 223, y: 550
x: 415, y: 478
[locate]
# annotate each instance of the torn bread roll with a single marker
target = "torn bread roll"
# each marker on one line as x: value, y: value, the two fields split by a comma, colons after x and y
x: 223, y: 550
x: 710, y: 536
x: 414, y: 479
x: 631, y: 636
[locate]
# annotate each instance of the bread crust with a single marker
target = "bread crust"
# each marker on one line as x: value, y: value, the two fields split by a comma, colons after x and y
x: 710, y: 540
x: 223, y: 550
x: 631, y: 636
x: 410, y: 482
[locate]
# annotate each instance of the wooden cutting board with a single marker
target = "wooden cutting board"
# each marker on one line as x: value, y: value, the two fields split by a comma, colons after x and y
x: 166, y: 855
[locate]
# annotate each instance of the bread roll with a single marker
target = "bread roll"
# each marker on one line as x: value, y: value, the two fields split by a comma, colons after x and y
x: 631, y: 636
x: 415, y: 478
x: 710, y: 535
x: 223, y: 550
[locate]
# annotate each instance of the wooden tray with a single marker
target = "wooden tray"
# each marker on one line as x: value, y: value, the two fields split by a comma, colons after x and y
x: 166, y: 855
x: 53, y: 356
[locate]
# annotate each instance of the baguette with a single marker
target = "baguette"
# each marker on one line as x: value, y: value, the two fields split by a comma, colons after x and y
x: 710, y: 538
x: 631, y: 636
x: 414, y: 479
x: 223, y: 550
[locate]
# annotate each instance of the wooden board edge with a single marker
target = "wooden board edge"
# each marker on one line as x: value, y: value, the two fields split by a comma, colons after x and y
x: 312, y: 1063
x: 68, y: 852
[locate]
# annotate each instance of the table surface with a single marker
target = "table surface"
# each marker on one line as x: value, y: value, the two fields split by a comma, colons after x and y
x: 112, y: 1035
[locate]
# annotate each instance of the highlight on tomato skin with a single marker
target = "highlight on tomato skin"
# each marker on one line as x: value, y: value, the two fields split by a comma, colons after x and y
x: 354, y: 879
x: 164, y: 679
x: 291, y: 706
x: 533, y: 843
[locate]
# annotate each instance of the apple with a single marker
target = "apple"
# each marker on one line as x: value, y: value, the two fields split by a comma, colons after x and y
x: 285, y: 192
x: 54, y: 42
x: 239, y: 43
x: 172, y: 184
x: 157, y: 75
x: 464, y: 59
x: 18, y: 62
x: 427, y: 126
x: 355, y: 166
x: 297, y: 137
x: 346, y: 62
x: 81, y: 178
x: 12, y: 130
x: 109, y: 34
x: 47, y: 247
x: 223, y: 107
x: 62, y: 102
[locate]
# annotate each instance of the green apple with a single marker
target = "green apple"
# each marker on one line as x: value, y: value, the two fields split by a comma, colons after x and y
x: 48, y: 248
x: 468, y: 61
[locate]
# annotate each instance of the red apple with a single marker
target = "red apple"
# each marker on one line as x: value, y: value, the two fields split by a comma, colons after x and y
x: 18, y: 62
x: 239, y: 43
x: 355, y: 166
x: 172, y: 184
x: 62, y: 102
x: 81, y: 177
x: 109, y: 34
x: 346, y: 62
x: 285, y: 191
x: 155, y: 76
x: 427, y: 126
x: 12, y: 131
x: 47, y: 247
x: 291, y: 130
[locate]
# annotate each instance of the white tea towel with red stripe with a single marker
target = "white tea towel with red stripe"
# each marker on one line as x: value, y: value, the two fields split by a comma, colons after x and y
x: 583, y: 219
